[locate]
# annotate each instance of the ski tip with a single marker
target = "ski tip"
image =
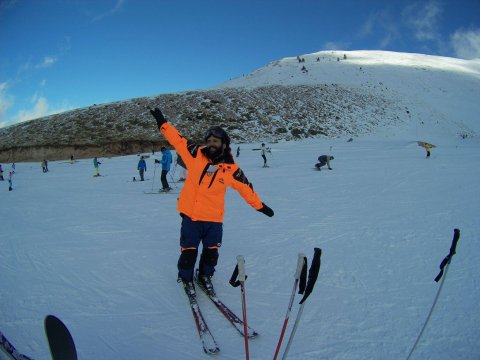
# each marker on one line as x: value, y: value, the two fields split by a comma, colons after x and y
x: 212, y: 351
x: 60, y: 341
x: 253, y: 334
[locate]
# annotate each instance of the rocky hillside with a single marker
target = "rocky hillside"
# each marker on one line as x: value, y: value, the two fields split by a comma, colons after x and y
x: 263, y: 114
x: 286, y: 100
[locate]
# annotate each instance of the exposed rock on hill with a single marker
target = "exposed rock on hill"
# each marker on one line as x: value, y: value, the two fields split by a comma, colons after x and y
x: 262, y: 114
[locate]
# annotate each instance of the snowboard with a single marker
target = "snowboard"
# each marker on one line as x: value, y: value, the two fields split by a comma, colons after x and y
x: 59, y: 339
x: 423, y: 143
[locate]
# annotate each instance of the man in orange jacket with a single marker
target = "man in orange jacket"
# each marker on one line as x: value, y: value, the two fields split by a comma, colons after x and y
x: 211, y: 169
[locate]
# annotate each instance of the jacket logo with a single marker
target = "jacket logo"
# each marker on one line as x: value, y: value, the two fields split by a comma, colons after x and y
x: 221, y: 181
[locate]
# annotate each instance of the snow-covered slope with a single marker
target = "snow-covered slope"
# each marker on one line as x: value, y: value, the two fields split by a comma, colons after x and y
x: 102, y: 255
x: 439, y: 92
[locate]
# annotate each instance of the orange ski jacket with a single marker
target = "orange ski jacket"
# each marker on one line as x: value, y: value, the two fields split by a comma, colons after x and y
x: 203, y: 195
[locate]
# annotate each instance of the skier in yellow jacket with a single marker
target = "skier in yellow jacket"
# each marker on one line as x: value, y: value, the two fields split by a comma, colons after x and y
x: 211, y: 169
x: 427, y: 148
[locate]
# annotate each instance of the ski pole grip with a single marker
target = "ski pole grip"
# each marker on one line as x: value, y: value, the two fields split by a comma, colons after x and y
x: 456, y: 236
x: 448, y: 258
x: 300, y: 261
x: 312, y: 273
x: 241, y: 268
x: 302, y: 284
x: 233, y: 280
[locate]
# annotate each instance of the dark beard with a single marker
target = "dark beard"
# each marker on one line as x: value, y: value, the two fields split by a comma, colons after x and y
x: 214, y: 154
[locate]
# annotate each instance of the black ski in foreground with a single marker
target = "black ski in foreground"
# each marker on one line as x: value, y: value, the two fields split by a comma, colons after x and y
x: 224, y: 309
x: 208, y: 341
x: 60, y: 341
x: 10, y: 350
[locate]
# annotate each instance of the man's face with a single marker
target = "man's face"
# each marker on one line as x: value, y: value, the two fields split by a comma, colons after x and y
x: 215, y: 147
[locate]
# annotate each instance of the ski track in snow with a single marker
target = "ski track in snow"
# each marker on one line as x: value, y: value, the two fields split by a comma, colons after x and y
x: 102, y: 256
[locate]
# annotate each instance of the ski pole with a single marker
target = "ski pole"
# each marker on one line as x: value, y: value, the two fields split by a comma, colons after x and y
x: 312, y: 278
x: 239, y: 272
x: 174, y: 171
x: 173, y: 180
x: 241, y: 278
x: 300, y: 264
x: 441, y: 275
x: 154, y: 172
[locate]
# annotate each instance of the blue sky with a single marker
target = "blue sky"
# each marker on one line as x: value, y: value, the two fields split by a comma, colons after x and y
x: 58, y: 55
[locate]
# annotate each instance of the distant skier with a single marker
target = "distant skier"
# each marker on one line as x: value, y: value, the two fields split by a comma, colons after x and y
x: 44, y: 166
x: 324, y: 160
x: 72, y: 160
x: 166, y: 163
x: 264, y: 155
x: 142, y: 167
x: 238, y: 151
x: 10, y: 181
x: 1, y: 173
x: 96, y: 164
x: 427, y: 148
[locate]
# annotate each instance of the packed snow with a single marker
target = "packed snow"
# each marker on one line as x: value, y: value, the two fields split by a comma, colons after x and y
x: 101, y: 254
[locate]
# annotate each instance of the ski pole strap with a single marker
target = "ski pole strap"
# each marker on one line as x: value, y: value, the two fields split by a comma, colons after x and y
x: 303, y: 277
x: 234, y: 281
x: 312, y: 274
x: 448, y: 258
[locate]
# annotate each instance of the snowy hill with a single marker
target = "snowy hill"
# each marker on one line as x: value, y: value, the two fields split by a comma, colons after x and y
x: 369, y: 92
x: 437, y: 89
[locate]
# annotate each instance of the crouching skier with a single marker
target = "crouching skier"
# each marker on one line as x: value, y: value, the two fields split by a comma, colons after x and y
x: 211, y: 169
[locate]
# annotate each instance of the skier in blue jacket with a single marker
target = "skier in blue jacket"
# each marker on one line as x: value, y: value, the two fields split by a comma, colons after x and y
x: 166, y: 162
x: 142, y: 167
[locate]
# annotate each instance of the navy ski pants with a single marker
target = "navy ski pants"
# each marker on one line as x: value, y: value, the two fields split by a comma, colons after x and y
x: 191, y: 234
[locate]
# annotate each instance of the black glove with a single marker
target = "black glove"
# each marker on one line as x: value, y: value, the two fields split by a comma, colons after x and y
x: 266, y: 210
x: 157, y: 114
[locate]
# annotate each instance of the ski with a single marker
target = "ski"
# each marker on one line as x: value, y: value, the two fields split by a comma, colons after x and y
x: 225, y: 310
x: 161, y: 192
x: 10, y: 350
x: 59, y: 339
x: 208, y: 341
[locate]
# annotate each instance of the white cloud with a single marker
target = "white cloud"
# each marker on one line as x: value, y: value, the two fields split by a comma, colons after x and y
x: 380, y: 24
x: 40, y: 109
x: 331, y: 45
x: 6, y: 100
x: 423, y: 18
x: 47, y: 62
x: 117, y: 7
x: 466, y: 43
